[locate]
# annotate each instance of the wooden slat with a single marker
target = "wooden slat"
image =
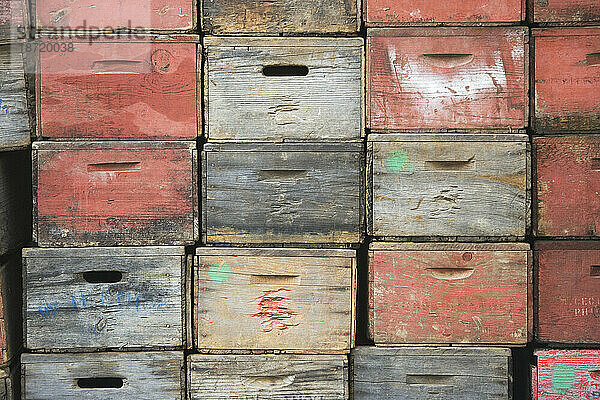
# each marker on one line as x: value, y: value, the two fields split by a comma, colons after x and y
x: 14, y: 109
x: 568, y: 374
x: 10, y: 309
x: 565, y: 11
x: 9, y: 382
x: 15, y: 200
x: 402, y: 246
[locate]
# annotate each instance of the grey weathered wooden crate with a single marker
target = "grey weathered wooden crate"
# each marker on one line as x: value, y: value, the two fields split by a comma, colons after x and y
x: 100, y: 376
x: 9, y: 382
x: 268, y: 377
x: 15, y: 200
x: 10, y: 304
x: 284, y: 89
x: 283, y: 193
x: 441, y: 373
x: 292, y: 300
x: 232, y: 17
x: 15, y: 129
x: 449, y: 185
x: 14, y: 20
x: 88, y: 299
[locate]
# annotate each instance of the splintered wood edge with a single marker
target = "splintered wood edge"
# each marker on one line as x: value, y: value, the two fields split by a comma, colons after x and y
x: 266, y: 357
x: 274, y: 251
x: 478, y: 31
x: 101, y: 37
x: 374, y: 246
x: 87, y: 252
x: 446, y: 137
x: 273, y: 41
x: 115, y: 145
x: 565, y: 31
x: 432, y: 350
x: 563, y: 244
x: 147, y: 356
x: 283, y: 147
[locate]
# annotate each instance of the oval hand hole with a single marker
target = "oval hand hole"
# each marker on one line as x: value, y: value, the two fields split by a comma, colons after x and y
x: 451, y: 274
x: 429, y: 379
x: 102, y: 276
x: 592, y: 59
x: 446, y: 60
x: 285, y: 70
x: 115, y: 167
x: 100, y: 383
x: 596, y: 164
x: 595, y: 271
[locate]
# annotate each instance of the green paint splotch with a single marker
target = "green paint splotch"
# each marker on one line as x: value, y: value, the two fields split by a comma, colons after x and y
x: 219, y: 272
x: 398, y: 162
x: 563, y: 378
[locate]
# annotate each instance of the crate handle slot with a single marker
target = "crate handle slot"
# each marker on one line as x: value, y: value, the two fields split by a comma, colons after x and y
x: 449, y: 60
x: 274, y: 279
x: 592, y: 59
x: 451, y: 165
x: 102, y: 276
x: 115, y: 167
x: 285, y: 70
x: 100, y: 383
x: 281, y: 174
x: 595, y: 271
x: 119, y: 67
x: 451, y: 274
x: 268, y: 382
x: 596, y: 164
x: 595, y: 374
x: 429, y: 379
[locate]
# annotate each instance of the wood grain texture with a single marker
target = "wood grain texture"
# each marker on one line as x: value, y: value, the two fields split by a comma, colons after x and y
x: 565, y: 11
x: 13, y: 20
x: 566, y: 96
x: 150, y: 375
x: 268, y: 377
x: 14, y: 111
x: 568, y: 185
x: 67, y: 307
x: 568, y: 308
x: 323, y: 102
x: 10, y: 305
x: 421, y: 12
x: 447, y: 78
x: 418, y: 296
x: 277, y: 193
x: 15, y: 200
x: 568, y: 374
x: 115, y: 193
x: 296, y: 301
x: 120, y: 88
x: 428, y: 373
x: 448, y: 185
x: 138, y: 15
x: 9, y: 383
x: 232, y: 17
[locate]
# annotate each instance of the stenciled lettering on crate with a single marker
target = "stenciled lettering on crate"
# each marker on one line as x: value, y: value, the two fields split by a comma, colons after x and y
x: 13, y: 21
x: 447, y: 78
x: 295, y: 300
x: 566, y: 375
x: 121, y: 87
x: 100, y: 376
x: 14, y: 107
x: 420, y: 12
x: 282, y: 193
x: 565, y: 11
x: 568, y: 185
x: 568, y: 307
x: 60, y: 16
x: 448, y: 185
x: 415, y: 373
x: 9, y: 382
x: 10, y: 304
x: 103, y: 298
x: 240, y: 17
x: 417, y: 293
x: 268, y: 377
x: 115, y: 193
x: 567, y: 76
x: 15, y: 200
x: 276, y: 89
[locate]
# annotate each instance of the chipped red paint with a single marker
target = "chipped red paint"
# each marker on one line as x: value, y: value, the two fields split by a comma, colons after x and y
x: 565, y: 11
x: 568, y: 185
x: 568, y: 375
x: 274, y: 311
x: 437, y: 78
x: 116, y: 89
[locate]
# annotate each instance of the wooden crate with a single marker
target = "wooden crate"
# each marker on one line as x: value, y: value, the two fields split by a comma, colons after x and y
x: 450, y: 293
x: 231, y: 17
x: 122, y: 87
x: 295, y: 300
x: 116, y: 15
x: 566, y: 95
x: 448, y: 185
x: 565, y: 11
x: 280, y: 376
x: 9, y: 383
x: 447, y: 78
x: 282, y: 193
x: 13, y: 21
x: 276, y: 89
x: 568, y: 185
x: 104, y: 298
x: 415, y: 373
x: 420, y: 12
x: 115, y: 193
x: 99, y: 376
x: 14, y: 108
x: 568, y: 307
x: 15, y: 200
x: 10, y: 306
x: 567, y: 375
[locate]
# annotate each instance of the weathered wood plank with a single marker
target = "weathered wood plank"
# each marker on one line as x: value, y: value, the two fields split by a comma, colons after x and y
x: 93, y: 376
x: 276, y: 89
x: 14, y: 111
x: 565, y: 11
x: 231, y: 17
x: 10, y: 306
x: 13, y: 20
x: 9, y: 383
x: 15, y: 200
x: 568, y: 374
x: 268, y: 377
x: 283, y: 301
x: 441, y: 373
x: 94, y: 299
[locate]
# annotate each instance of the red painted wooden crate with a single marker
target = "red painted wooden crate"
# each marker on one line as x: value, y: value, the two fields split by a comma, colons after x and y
x: 568, y: 309
x: 13, y: 20
x: 567, y: 80
x: 567, y: 375
x: 565, y: 11
x: 449, y: 293
x: 568, y: 185
x: 121, y: 87
x: 115, y: 193
x: 393, y: 12
x: 447, y: 78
